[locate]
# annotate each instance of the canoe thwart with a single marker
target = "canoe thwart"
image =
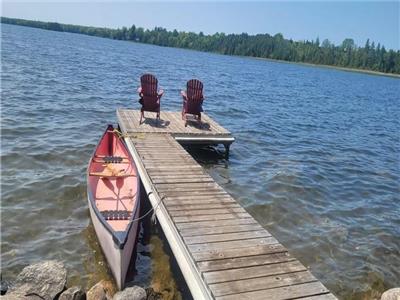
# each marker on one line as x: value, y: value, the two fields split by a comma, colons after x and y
x: 107, y: 175
x: 115, y: 214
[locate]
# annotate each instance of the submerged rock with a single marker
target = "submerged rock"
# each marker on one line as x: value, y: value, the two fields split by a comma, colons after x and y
x: 131, y: 293
x: 73, y: 293
x: 392, y: 294
x: 102, y: 290
x: 97, y: 292
x: 4, y: 286
x: 152, y: 294
x: 44, y: 280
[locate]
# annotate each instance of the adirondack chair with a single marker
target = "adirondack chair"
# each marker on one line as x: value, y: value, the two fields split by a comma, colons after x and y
x: 192, y: 100
x: 149, y: 95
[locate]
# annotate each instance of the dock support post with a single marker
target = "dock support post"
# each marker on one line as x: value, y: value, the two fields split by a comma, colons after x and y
x: 227, y: 150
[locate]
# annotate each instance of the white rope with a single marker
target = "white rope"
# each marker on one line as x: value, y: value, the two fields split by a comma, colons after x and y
x: 150, y: 210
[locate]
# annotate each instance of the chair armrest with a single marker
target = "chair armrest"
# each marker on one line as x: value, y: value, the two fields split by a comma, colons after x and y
x: 184, y: 95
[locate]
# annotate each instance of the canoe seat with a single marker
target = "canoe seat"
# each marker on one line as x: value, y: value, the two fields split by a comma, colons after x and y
x: 112, y: 159
x: 102, y: 156
x: 115, y: 214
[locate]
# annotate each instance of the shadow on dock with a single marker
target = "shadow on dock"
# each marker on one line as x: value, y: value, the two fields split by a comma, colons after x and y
x: 156, y: 123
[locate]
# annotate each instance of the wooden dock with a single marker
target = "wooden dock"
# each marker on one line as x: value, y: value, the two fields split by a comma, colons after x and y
x: 222, y: 251
x: 210, y: 133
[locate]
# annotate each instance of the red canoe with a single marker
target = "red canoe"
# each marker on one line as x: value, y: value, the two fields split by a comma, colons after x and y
x: 114, y: 202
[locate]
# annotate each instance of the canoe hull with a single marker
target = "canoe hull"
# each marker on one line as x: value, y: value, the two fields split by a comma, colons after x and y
x: 118, y: 259
x: 113, y: 189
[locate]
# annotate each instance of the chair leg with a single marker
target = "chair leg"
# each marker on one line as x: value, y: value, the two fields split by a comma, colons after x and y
x: 141, y: 117
x: 185, y: 118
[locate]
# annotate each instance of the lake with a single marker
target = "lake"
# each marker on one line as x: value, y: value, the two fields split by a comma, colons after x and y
x: 316, y: 159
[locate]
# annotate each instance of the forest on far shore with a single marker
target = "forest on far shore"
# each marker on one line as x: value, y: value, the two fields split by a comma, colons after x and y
x: 371, y: 56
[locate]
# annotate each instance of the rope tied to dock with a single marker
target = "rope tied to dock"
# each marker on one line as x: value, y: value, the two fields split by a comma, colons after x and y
x: 153, y: 209
x: 125, y: 135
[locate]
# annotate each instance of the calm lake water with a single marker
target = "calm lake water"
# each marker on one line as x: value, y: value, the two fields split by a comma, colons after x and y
x: 316, y: 160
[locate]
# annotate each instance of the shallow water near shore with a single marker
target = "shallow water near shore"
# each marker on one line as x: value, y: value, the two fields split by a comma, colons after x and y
x: 316, y: 158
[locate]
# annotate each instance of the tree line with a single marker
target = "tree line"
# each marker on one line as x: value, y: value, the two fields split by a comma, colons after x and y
x: 373, y: 57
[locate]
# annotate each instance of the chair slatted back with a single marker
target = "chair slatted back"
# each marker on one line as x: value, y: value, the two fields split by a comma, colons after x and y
x: 149, y: 83
x: 194, y: 89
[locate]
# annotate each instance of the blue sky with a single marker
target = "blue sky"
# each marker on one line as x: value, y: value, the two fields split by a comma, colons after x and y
x: 299, y: 20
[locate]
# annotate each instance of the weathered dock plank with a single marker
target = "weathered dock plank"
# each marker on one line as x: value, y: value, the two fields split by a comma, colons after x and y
x: 215, y: 224
x: 224, y: 237
x: 254, y: 271
x: 223, y: 252
x: 260, y: 283
x: 281, y: 293
x: 247, y: 261
x: 250, y: 250
x: 202, y: 206
x: 208, y: 230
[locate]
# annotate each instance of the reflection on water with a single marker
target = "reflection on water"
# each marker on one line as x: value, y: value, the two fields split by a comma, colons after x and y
x: 162, y: 281
x: 315, y: 161
x: 95, y: 265
x: 155, y: 255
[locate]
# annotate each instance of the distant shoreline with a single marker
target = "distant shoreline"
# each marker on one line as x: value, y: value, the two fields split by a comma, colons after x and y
x: 333, y: 56
x: 369, y: 72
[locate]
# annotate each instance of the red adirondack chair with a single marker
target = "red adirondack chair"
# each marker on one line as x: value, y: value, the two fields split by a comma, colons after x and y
x: 149, y: 95
x: 192, y: 100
